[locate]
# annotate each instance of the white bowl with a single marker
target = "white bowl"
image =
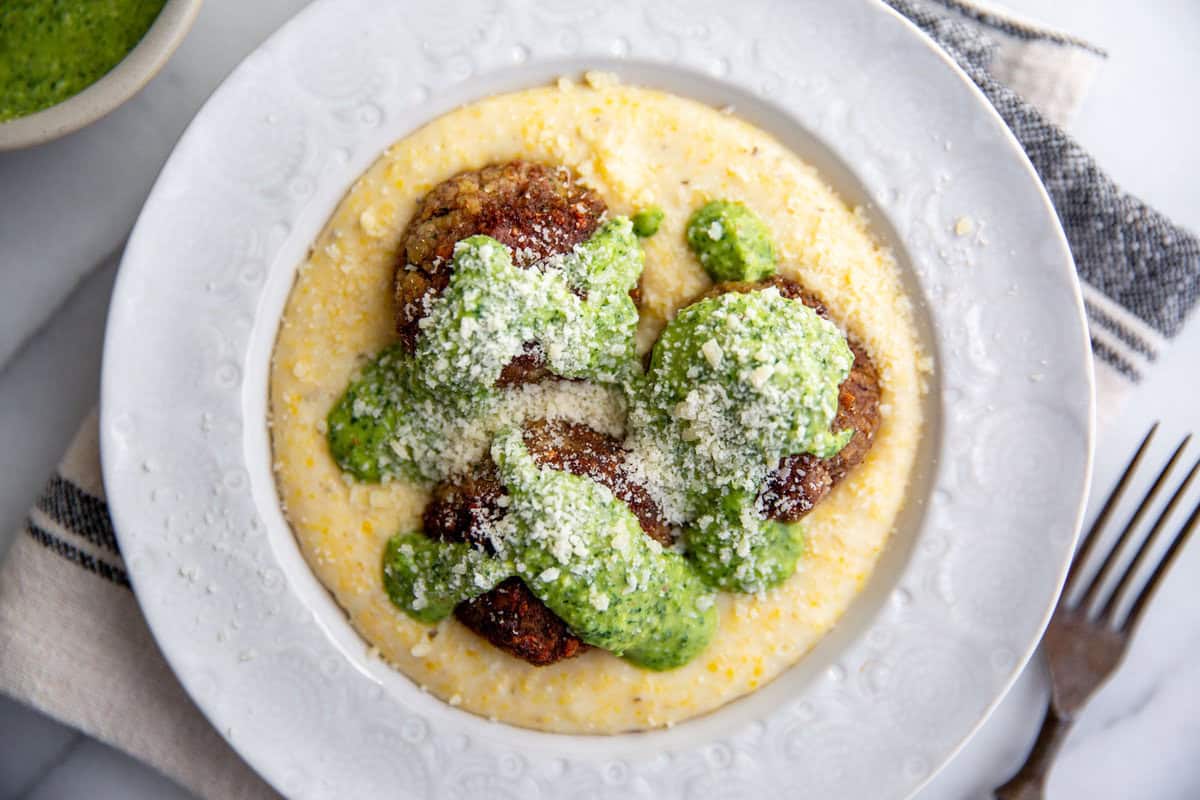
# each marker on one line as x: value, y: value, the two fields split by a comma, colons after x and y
x: 121, y: 83
x: 958, y: 600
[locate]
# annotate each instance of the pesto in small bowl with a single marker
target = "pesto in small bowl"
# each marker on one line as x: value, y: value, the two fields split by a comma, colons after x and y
x: 50, y: 50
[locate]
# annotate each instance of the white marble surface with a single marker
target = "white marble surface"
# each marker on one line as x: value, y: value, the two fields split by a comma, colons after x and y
x: 65, y: 207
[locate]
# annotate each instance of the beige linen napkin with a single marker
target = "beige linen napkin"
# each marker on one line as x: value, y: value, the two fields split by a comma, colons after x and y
x: 72, y: 640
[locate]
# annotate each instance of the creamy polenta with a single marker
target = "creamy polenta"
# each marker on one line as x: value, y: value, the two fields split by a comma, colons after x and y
x: 638, y: 149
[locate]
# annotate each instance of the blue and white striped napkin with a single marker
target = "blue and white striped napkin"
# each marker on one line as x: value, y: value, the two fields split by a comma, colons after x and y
x: 1139, y: 272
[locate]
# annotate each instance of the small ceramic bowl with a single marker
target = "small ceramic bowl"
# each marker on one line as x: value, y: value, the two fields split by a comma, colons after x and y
x: 121, y: 83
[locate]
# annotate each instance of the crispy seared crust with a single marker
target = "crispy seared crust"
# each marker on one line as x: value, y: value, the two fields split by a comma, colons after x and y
x: 461, y: 509
x: 579, y: 450
x: 788, y: 288
x: 529, y: 367
x: 513, y: 619
x: 511, y: 616
x: 535, y: 209
x: 802, y: 481
x: 858, y: 408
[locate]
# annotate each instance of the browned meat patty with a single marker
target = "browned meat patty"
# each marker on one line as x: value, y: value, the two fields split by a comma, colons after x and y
x: 535, y: 209
x: 461, y: 509
x: 802, y: 481
x: 579, y: 450
x: 529, y: 367
x: 511, y: 616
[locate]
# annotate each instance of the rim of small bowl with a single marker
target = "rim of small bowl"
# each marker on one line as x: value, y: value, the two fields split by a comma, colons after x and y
x: 122, y: 82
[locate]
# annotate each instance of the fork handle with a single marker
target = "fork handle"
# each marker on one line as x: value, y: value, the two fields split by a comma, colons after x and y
x: 1030, y: 781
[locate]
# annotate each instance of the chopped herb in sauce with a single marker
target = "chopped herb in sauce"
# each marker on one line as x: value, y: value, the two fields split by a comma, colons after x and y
x: 732, y: 243
x: 53, y: 49
x: 428, y: 578
x: 737, y: 382
x: 647, y: 221
x: 405, y: 416
x: 736, y: 549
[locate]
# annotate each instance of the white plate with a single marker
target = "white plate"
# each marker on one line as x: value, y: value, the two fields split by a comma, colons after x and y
x: 960, y: 596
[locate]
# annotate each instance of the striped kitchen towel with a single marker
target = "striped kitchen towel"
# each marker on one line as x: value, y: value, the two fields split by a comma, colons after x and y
x: 73, y: 643
x: 1139, y: 272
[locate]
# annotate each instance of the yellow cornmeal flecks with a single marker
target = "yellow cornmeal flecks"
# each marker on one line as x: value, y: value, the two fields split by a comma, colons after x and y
x: 635, y: 147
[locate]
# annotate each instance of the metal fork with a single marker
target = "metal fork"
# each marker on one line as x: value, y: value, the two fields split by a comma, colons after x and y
x: 1083, y: 649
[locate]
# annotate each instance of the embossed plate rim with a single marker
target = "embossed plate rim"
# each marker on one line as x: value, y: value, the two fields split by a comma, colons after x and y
x: 254, y: 178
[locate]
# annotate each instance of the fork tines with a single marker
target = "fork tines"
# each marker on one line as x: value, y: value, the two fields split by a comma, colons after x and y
x: 1093, y: 588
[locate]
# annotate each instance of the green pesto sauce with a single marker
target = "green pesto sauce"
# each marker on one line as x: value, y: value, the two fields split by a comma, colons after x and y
x: 735, y: 549
x: 364, y: 426
x: 493, y: 307
x: 735, y: 383
x: 401, y: 416
x: 647, y: 221
x: 732, y: 243
x: 53, y: 49
x: 428, y: 578
x: 581, y: 551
